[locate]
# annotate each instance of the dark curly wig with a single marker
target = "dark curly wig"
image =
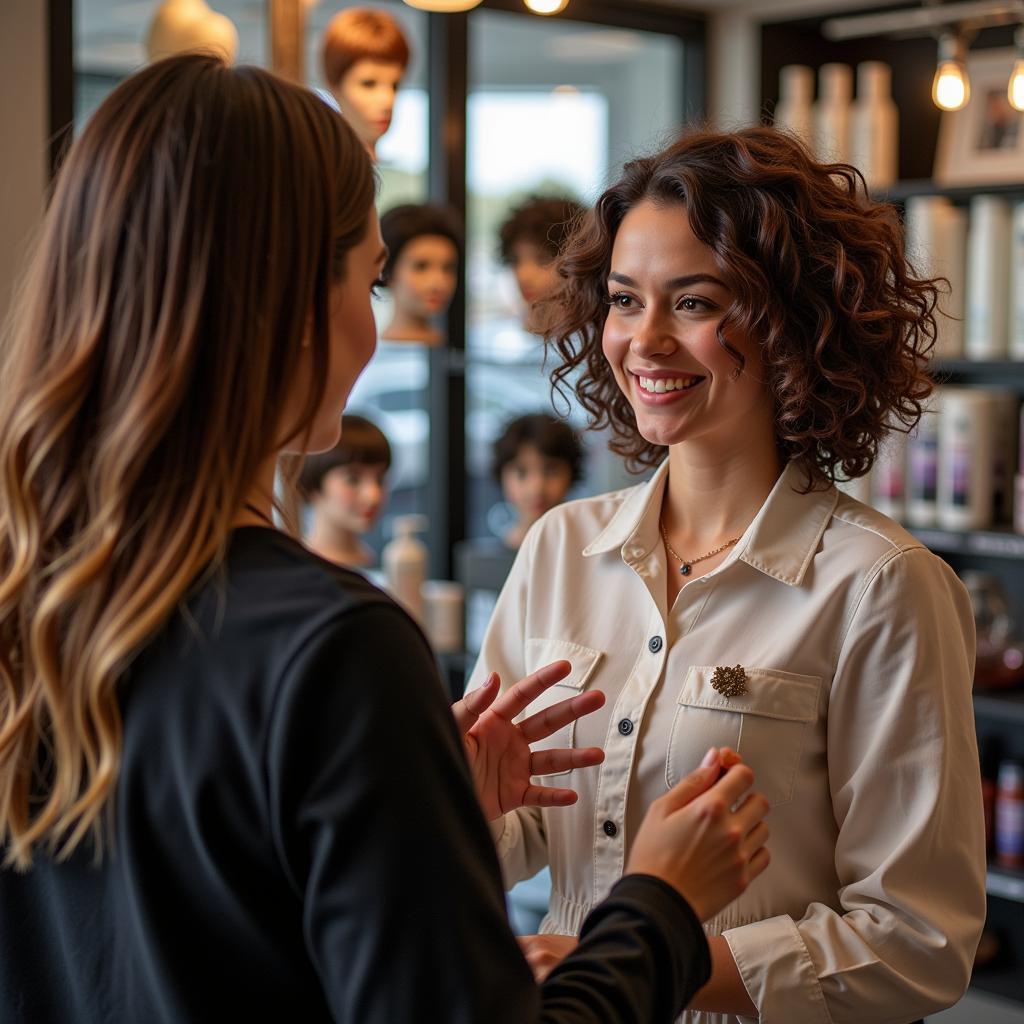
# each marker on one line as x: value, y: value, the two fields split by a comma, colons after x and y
x: 543, y: 221
x: 817, y: 272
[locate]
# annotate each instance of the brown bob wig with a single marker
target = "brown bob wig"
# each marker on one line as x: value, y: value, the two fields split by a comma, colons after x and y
x: 817, y: 272
x: 362, y: 33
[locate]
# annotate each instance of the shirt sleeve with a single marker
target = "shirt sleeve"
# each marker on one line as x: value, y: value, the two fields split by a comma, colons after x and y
x: 379, y: 834
x: 906, y: 794
x: 520, y: 837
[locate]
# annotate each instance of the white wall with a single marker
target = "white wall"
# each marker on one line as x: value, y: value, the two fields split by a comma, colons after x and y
x: 23, y: 130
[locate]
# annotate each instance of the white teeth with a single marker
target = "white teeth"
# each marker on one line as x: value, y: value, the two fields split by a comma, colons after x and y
x: 662, y: 384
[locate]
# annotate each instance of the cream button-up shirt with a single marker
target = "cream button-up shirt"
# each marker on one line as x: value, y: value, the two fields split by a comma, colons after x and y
x: 858, y: 647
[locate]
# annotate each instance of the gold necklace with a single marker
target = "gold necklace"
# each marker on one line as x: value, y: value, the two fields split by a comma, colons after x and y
x: 686, y: 564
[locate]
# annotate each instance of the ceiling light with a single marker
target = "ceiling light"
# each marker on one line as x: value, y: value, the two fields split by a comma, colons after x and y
x: 951, y: 88
x: 443, y: 6
x: 1015, y: 90
x: 546, y: 6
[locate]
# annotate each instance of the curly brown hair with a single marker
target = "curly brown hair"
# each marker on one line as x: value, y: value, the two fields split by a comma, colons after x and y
x: 817, y: 272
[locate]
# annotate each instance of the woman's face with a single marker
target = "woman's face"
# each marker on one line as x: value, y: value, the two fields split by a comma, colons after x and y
x: 352, y: 334
x: 425, y: 275
x: 366, y: 96
x: 667, y: 297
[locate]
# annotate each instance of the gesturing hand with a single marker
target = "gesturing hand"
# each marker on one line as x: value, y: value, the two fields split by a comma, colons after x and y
x: 498, y: 749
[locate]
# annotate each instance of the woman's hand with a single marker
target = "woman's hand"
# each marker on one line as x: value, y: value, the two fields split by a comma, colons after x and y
x: 545, y: 952
x: 705, y: 837
x: 498, y: 749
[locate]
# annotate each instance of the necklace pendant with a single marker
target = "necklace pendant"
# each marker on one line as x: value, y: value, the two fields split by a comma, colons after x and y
x: 684, y: 569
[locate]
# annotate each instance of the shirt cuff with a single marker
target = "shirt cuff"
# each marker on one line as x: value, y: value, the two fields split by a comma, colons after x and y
x: 778, y: 972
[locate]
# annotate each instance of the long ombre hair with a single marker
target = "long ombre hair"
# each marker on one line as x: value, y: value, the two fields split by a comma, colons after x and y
x: 193, y: 235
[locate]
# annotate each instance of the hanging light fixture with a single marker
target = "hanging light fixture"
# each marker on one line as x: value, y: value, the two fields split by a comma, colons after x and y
x: 546, y: 6
x: 951, y: 88
x: 443, y: 6
x: 1015, y: 89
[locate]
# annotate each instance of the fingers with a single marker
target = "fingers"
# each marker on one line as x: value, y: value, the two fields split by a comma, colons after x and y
x: 546, y: 762
x: 691, y: 787
x: 753, y: 808
x: 758, y: 863
x: 754, y: 839
x: 728, y: 757
x: 733, y: 784
x: 545, y: 722
x: 548, y: 796
x: 475, y: 703
x: 527, y: 690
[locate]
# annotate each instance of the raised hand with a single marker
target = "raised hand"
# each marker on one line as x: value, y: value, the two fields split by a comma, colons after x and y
x: 498, y: 749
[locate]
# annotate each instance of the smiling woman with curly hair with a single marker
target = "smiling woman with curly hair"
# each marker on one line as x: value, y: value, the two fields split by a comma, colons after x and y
x: 744, y: 319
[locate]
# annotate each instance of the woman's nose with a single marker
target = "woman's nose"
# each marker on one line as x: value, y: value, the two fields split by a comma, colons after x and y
x: 653, y: 336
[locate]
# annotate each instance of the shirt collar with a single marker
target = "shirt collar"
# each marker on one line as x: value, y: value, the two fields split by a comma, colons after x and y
x: 780, y: 542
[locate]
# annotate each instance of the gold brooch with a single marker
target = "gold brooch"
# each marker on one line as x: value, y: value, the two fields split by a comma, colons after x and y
x: 730, y: 682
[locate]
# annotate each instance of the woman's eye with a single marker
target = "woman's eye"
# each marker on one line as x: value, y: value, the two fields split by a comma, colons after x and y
x: 691, y: 304
x: 620, y: 300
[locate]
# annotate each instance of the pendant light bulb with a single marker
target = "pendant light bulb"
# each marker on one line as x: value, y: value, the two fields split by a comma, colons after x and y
x: 1015, y: 88
x: 546, y: 6
x: 951, y: 88
x: 443, y: 6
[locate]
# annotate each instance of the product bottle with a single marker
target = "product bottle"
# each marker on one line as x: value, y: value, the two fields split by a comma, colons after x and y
x: 793, y: 112
x: 1009, y: 828
x: 966, y: 459
x: 988, y: 278
x: 989, y: 749
x: 1005, y: 408
x: 831, y: 117
x: 937, y: 247
x: 889, y: 476
x: 405, y: 564
x: 1018, y: 490
x: 923, y: 466
x: 1016, y: 342
x: 874, y: 126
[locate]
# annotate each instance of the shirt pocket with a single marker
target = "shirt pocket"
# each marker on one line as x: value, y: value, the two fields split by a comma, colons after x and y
x: 767, y: 726
x: 541, y: 651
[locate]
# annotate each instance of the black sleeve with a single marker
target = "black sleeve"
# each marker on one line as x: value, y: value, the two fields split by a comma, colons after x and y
x: 379, y: 831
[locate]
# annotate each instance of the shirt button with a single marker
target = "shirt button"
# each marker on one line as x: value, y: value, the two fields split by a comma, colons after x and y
x: 611, y: 829
x: 625, y: 727
x: 654, y: 644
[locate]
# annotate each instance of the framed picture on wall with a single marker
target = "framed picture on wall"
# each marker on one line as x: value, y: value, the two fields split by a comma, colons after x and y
x: 983, y: 144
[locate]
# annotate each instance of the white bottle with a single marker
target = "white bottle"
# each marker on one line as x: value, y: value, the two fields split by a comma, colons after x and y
x: 874, y: 126
x: 965, y: 459
x: 923, y: 465
x: 988, y: 278
x: 1016, y: 340
x: 831, y: 117
x: 889, y: 475
x: 937, y: 247
x: 793, y: 112
x: 405, y: 564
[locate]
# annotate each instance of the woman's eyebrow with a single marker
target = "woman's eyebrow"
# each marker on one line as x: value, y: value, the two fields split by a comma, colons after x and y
x: 676, y: 282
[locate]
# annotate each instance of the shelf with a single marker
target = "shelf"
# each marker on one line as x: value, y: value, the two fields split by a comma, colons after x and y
x: 904, y: 190
x: 1006, y: 884
x: 1003, y: 369
x: 991, y: 543
x: 1006, y: 705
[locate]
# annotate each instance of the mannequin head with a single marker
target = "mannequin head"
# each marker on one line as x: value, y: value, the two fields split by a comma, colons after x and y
x: 537, y: 459
x: 180, y: 26
x: 422, y: 270
x: 531, y: 238
x: 346, y: 490
x: 365, y: 55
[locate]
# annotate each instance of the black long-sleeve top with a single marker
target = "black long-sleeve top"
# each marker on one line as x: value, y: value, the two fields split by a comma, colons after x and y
x: 297, y: 839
